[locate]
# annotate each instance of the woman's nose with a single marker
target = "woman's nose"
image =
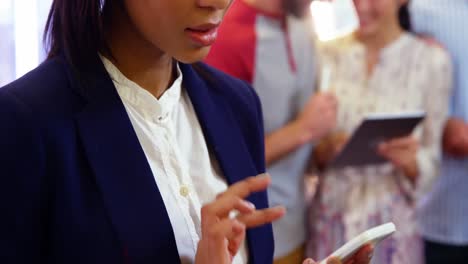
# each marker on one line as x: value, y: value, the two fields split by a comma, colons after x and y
x: 214, y: 4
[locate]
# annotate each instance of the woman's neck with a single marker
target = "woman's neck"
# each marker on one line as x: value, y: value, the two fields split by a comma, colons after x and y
x: 376, y: 42
x: 381, y: 39
x: 137, y: 58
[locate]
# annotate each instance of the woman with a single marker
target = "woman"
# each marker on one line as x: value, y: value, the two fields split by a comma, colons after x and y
x: 381, y: 68
x: 110, y: 148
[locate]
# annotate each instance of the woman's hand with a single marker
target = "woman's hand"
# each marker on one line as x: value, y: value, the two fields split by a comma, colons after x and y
x: 328, y: 148
x: 402, y: 152
x: 455, y: 138
x: 318, y: 117
x: 223, y: 235
x: 363, y: 256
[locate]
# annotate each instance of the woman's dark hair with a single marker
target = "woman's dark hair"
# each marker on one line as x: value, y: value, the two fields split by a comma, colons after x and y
x: 75, y: 29
x: 404, y: 17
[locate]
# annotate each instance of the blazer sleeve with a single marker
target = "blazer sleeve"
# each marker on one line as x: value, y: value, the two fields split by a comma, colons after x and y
x: 22, y: 187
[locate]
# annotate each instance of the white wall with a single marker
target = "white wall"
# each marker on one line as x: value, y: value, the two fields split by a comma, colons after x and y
x: 7, y: 44
x: 21, y: 27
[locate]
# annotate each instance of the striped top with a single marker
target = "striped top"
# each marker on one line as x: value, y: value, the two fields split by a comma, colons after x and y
x: 275, y: 54
x: 444, y: 213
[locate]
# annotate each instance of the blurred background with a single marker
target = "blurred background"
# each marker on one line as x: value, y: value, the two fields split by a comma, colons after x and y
x: 21, y: 26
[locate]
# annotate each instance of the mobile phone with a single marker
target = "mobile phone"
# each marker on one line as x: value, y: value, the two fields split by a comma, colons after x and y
x: 372, y: 236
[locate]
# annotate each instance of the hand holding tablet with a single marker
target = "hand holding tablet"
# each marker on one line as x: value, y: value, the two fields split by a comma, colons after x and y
x: 375, y: 129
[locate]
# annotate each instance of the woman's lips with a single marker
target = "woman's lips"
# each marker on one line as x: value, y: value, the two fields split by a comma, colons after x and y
x: 203, y: 35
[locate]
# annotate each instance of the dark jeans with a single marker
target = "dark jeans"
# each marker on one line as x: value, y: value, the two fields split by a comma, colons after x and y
x: 445, y: 254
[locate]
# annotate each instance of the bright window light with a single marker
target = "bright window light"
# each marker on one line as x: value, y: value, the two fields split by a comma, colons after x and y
x: 26, y: 37
x: 5, y: 12
x: 333, y: 19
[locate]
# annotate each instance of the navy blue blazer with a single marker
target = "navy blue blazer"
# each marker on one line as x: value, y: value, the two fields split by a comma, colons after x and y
x: 76, y: 186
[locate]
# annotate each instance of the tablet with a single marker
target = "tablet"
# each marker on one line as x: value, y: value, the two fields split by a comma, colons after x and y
x: 372, y: 236
x: 361, y: 149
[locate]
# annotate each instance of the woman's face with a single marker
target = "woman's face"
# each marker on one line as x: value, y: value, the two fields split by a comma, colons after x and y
x: 376, y: 15
x: 184, y: 29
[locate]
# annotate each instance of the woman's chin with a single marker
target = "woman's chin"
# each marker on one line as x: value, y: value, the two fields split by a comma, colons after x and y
x: 365, y: 31
x: 193, y: 55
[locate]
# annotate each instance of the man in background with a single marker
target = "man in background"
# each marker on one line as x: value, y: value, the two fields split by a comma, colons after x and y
x: 269, y: 44
x: 444, y: 212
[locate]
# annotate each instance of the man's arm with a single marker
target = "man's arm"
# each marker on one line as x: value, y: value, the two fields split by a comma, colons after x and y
x: 285, y: 140
x: 315, y: 121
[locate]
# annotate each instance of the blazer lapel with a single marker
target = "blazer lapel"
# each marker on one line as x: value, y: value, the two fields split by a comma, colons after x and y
x: 219, y: 127
x: 225, y: 138
x: 123, y: 175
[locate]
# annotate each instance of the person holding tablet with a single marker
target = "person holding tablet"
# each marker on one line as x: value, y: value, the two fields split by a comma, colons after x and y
x: 121, y: 148
x: 381, y: 68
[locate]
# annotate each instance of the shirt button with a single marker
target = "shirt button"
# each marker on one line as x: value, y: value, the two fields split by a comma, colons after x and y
x: 184, y: 191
